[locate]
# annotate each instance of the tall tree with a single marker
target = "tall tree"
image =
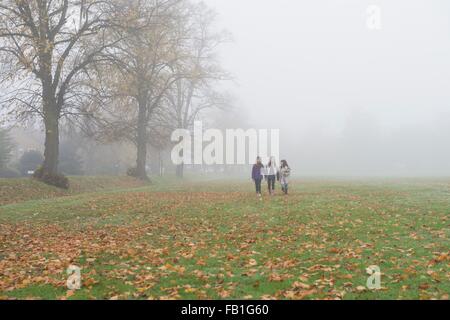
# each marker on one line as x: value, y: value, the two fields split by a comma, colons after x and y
x: 46, y: 49
x: 142, y: 71
x: 192, y: 95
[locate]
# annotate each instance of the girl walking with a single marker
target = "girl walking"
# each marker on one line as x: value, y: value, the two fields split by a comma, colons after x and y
x: 271, y: 174
x: 257, y: 175
x: 285, y: 172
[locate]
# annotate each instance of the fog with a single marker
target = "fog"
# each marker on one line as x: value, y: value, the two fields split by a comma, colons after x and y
x: 348, y: 100
x: 356, y: 88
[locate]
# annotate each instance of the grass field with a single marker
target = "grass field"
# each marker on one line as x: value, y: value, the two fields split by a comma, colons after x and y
x: 216, y: 240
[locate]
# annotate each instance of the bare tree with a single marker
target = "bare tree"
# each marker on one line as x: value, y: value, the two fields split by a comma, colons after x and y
x: 193, y: 94
x: 46, y: 49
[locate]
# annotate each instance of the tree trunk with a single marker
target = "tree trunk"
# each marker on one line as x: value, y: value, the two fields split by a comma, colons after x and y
x: 141, y: 161
x: 180, y: 170
x: 51, y: 124
x: 180, y: 167
x: 161, y: 164
x: 51, y: 153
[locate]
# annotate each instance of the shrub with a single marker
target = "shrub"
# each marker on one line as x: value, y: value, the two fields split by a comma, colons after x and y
x: 57, y: 180
x: 132, y: 172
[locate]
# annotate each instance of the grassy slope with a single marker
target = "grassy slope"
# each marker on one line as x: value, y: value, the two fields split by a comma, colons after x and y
x: 20, y: 190
x: 216, y: 240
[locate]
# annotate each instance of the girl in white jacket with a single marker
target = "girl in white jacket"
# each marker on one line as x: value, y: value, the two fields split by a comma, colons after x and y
x: 270, y: 173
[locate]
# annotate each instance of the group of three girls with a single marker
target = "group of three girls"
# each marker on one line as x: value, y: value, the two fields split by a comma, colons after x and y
x: 271, y: 173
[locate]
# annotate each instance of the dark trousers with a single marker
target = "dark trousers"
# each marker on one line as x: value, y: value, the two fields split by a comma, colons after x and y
x: 271, y: 182
x: 258, y: 185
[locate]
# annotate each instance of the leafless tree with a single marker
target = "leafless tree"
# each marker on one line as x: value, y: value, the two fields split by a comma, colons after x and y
x: 193, y: 94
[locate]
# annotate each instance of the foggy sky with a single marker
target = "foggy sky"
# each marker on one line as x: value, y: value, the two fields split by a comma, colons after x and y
x: 348, y: 100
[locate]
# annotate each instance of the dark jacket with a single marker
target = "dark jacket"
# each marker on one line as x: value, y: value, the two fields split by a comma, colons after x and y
x: 256, y: 172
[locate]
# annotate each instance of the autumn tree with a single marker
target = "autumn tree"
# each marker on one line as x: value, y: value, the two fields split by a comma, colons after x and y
x: 142, y: 71
x: 46, y: 49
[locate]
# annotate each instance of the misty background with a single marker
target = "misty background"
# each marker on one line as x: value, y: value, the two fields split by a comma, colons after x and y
x: 348, y: 100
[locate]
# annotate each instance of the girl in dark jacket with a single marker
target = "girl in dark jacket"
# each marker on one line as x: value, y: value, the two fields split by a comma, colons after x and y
x: 257, y: 175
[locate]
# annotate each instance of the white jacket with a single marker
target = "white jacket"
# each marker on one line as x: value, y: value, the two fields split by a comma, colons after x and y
x: 270, y: 171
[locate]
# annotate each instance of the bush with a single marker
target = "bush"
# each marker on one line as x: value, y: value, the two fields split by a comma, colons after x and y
x: 132, y: 172
x: 30, y: 161
x: 57, y: 180
x: 9, y: 173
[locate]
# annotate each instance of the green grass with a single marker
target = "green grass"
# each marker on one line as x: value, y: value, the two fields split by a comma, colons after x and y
x: 25, y: 189
x: 216, y: 240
